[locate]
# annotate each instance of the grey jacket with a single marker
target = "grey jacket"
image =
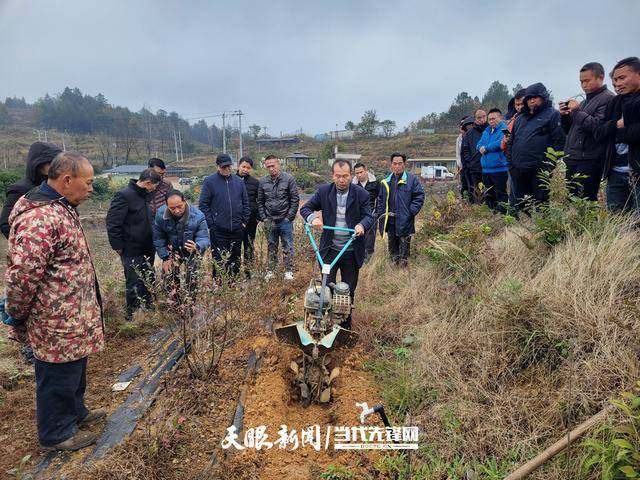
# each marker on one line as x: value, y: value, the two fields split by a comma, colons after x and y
x: 580, y: 126
x: 278, y: 199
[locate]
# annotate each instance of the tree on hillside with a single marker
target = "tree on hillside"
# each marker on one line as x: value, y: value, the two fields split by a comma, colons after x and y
x: 462, y: 106
x: 368, y: 124
x: 388, y: 127
x: 496, y: 96
x: 15, y: 102
x: 4, y: 114
x: 516, y: 88
x: 350, y: 126
x: 254, y: 130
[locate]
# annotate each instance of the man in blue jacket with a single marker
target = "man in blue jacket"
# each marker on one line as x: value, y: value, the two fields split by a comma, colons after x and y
x: 494, y: 163
x: 536, y: 129
x: 225, y: 204
x: 347, y: 205
x: 400, y: 199
x: 180, y: 234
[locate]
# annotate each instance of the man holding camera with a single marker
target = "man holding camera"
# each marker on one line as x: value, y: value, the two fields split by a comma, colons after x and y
x: 584, y: 154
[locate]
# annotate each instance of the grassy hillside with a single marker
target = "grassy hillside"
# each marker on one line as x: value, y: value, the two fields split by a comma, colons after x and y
x: 101, y: 149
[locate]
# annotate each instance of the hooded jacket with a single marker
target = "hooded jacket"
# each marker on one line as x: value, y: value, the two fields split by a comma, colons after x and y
x: 534, y: 132
x: 494, y: 160
x: 580, y: 126
x: 129, y: 222
x: 469, y: 153
x: 51, y: 280
x: 39, y: 154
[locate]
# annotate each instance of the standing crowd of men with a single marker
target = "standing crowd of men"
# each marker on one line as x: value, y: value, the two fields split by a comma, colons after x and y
x: 53, y: 299
x: 504, y: 165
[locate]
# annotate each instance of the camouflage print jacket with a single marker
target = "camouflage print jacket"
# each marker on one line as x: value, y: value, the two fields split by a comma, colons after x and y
x: 51, y: 281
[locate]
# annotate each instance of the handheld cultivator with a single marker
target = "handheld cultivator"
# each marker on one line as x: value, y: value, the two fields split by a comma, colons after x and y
x: 326, y: 308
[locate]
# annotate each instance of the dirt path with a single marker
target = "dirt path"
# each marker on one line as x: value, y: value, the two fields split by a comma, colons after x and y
x: 270, y: 404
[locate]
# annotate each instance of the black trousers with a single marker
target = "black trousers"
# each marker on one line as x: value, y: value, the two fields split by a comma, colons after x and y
x: 473, y: 180
x: 495, y: 191
x: 226, y: 244
x: 248, y: 239
x: 370, y: 240
x: 464, y: 184
x: 587, y: 184
x: 527, y: 183
x: 349, y: 270
x: 399, y: 248
x: 138, y: 273
x: 60, y: 405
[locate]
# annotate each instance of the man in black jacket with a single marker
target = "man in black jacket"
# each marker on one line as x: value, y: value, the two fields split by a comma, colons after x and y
x: 345, y: 205
x: 535, y: 129
x: 584, y: 155
x: 39, y: 158
x: 471, y: 157
x: 278, y: 202
x: 129, y: 227
x: 367, y: 180
x: 225, y: 204
x: 620, y: 129
x: 251, y: 184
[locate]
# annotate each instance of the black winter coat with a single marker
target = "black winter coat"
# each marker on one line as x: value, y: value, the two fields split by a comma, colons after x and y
x: 225, y: 203
x: 278, y: 199
x: 39, y: 153
x: 627, y: 106
x: 129, y: 222
x: 468, y: 150
x: 580, y: 126
x: 534, y: 132
x: 251, y: 184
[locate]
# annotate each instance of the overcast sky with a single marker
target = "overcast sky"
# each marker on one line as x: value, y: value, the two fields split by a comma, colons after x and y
x: 300, y: 64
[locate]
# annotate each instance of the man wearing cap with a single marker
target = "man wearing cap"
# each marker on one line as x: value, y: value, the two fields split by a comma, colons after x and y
x: 225, y: 204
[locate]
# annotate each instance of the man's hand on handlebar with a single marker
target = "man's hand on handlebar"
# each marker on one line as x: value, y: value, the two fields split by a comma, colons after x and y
x: 317, y: 223
x: 359, y: 230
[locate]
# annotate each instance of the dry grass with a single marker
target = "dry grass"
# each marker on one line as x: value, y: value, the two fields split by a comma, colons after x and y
x: 514, y: 341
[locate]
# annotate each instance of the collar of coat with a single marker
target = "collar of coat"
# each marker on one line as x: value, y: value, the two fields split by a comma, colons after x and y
x: 370, y: 178
x: 183, y: 219
x: 403, y: 179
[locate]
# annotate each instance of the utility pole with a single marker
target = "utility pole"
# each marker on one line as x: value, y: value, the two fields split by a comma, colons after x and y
x: 224, y: 134
x: 240, y: 133
x: 180, y: 140
x: 64, y: 147
x: 45, y: 136
x: 175, y: 144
